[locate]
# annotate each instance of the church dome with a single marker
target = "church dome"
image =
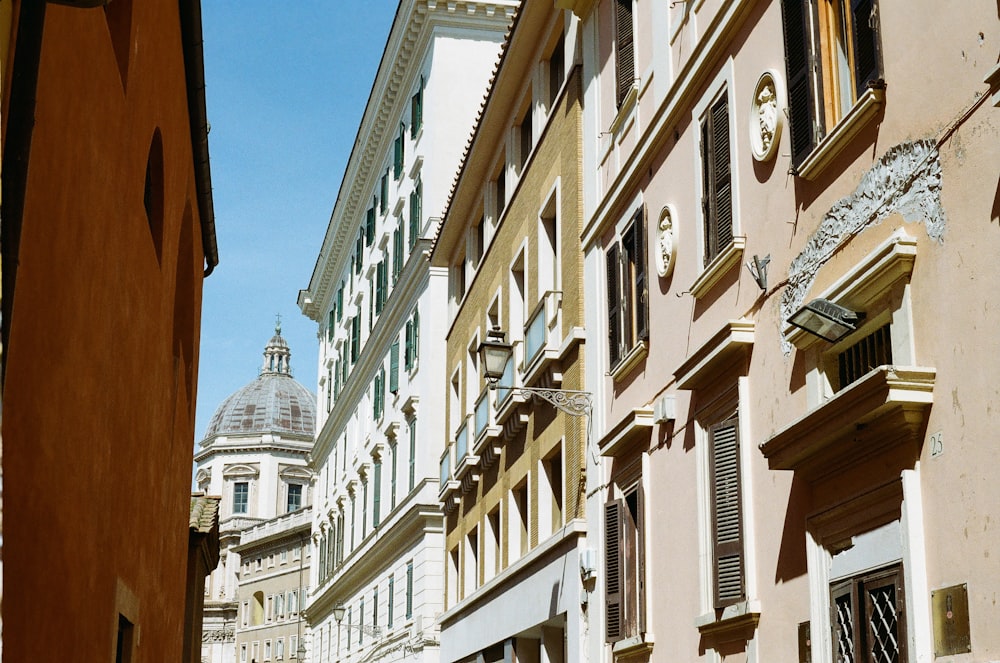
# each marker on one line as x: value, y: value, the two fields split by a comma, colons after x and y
x: 273, y: 403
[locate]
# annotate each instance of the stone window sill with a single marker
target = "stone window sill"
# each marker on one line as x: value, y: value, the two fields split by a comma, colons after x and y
x: 866, y: 108
x: 719, y: 267
x: 636, y: 644
x: 629, y: 361
x: 732, y: 619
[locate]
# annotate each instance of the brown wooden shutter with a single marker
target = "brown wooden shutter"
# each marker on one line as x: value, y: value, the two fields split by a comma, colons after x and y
x: 640, y: 302
x: 614, y: 571
x: 864, y: 20
x: 727, y: 517
x: 794, y: 15
x: 722, y: 175
x: 707, y: 211
x: 614, y: 304
x: 624, y: 49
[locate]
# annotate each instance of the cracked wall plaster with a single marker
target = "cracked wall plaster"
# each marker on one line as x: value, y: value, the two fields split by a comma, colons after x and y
x: 907, y: 180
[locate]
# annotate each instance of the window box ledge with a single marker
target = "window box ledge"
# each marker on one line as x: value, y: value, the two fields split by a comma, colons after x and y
x: 863, y: 111
x: 630, y: 360
x: 886, y: 409
x: 731, y: 343
x: 732, y: 621
x: 620, y: 438
x: 636, y: 645
x: 719, y: 267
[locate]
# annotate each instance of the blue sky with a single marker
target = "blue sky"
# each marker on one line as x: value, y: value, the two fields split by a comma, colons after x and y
x: 287, y: 83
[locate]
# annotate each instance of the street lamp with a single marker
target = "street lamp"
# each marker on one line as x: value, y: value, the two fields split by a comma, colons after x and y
x: 338, y: 614
x: 495, y: 352
x: 829, y: 321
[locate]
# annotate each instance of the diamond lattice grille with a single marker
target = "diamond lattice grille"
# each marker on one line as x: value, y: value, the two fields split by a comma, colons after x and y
x: 883, y: 624
x: 845, y: 630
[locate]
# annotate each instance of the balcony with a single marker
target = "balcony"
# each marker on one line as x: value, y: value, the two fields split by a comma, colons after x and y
x: 881, y: 416
x: 448, y: 487
x: 508, y: 414
x: 279, y: 525
x: 485, y: 432
x: 465, y: 463
x: 543, y: 338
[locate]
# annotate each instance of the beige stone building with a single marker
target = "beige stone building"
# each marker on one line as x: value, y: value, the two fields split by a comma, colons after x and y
x: 272, y: 588
x: 512, y: 471
x: 767, y: 493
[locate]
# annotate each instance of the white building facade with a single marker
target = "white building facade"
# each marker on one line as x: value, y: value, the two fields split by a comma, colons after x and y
x: 254, y: 456
x: 377, y: 530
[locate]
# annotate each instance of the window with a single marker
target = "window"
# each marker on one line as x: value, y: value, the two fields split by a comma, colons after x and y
x: 294, y: 497
x: 375, y: 607
x: 243, y: 653
x: 397, y: 251
x: 361, y: 622
x: 364, y: 508
x: 394, y: 452
x: 369, y: 229
x: 832, y: 57
x: 267, y: 650
x: 627, y: 294
x: 727, y: 513
x: 397, y: 152
x: 293, y: 646
x: 557, y: 67
x: 381, y: 285
x: 392, y: 600
x: 550, y: 494
x: 868, y: 617
x: 500, y: 190
x: 412, y: 424
x: 872, y: 351
x: 717, y: 191
x: 491, y: 545
x: 518, y: 526
x: 279, y: 648
x: 125, y: 646
x: 279, y: 606
x: 471, y: 561
x: 417, y: 110
x: 624, y: 50
x: 350, y: 620
x: 377, y: 496
x: 378, y: 393
x: 416, y: 212
x: 524, y: 135
x: 383, y: 202
x: 624, y: 565
x: 394, y: 367
x: 412, y: 340
x: 409, y: 590
x: 355, y: 338
x: 548, y: 248
x: 241, y: 496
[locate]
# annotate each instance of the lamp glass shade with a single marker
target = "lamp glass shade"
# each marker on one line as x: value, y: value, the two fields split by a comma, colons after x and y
x: 827, y: 320
x: 338, y: 612
x: 493, y: 355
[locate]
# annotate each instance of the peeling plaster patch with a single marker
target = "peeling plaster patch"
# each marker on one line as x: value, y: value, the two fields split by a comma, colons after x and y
x: 907, y: 179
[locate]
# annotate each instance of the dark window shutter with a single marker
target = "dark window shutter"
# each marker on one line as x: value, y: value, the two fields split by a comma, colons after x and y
x: 408, y: 352
x: 331, y: 323
x: 640, y: 303
x: 376, y: 508
x: 394, y: 367
x: 416, y: 334
x: 397, y: 251
x: 864, y: 17
x: 624, y: 49
x: 355, y: 338
x: 614, y: 571
x: 794, y: 17
x: 340, y: 302
x: 614, y: 304
x: 722, y: 174
x: 384, y: 194
x: 707, y: 209
x: 727, y: 517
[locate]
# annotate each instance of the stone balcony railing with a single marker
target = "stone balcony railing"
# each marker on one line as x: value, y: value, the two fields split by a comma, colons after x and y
x: 273, y: 526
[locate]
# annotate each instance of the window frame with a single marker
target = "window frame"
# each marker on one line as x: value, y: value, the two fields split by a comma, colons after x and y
x: 627, y: 281
x: 718, y: 200
x: 623, y: 19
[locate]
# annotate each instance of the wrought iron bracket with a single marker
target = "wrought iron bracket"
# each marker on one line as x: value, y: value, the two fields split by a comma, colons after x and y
x: 571, y: 401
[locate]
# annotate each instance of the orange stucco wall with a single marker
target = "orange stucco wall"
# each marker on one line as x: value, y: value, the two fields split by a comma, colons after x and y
x: 98, y: 403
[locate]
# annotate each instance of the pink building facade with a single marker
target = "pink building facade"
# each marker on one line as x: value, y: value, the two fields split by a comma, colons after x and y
x: 756, y: 491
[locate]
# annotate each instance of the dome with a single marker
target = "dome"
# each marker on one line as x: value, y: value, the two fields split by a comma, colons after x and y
x: 273, y: 403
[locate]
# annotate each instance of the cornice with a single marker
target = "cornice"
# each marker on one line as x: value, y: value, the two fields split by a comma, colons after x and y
x: 416, y: 23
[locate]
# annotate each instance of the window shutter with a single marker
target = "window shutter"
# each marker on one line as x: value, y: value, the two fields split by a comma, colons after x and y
x: 614, y: 304
x: 394, y: 366
x: 384, y: 197
x: 416, y: 334
x: 864, y: 18
x: 340, y: 302
x: 727, y: 513
x: 722, y: 175
x: 707, y: 209
x: 370, y: 225
x: 641, y: 301
x: 331, y: 323
x: 397, y: 251
x: 376, y: 500
x: 359, y: 247
x: 624, y: 49
x: 614, y: 572
x: 408, y: 352
x: 417, y: 109
x: 801, y: 118
x: 355, y: 337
